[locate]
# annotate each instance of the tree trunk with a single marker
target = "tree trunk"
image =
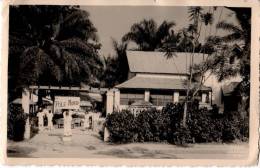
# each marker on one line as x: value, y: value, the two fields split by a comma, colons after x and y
x: 185, y: 114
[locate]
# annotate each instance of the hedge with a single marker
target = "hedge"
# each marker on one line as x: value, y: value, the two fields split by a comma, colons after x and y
x: 166, y: 125
x: 16, y: 123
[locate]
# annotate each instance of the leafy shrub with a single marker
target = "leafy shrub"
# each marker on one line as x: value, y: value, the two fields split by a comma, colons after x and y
x: 181, y: 135
x: 200, y: 125
x: 244, y: 128
x: 16, y: 123
x: 166, y: 125
x: 152, y: 125
x: 121, y: 127
x: 235, y: 127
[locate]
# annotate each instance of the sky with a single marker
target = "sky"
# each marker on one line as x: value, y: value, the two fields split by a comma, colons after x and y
x: 115, y: 21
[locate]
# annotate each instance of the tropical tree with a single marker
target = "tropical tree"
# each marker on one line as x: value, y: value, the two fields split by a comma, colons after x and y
x: 230, y: 54
x: 147, y: 35
x: 52, y: 45
x: 189, y: 41
x: 239, y: 34
x: 238, y: 42
x: 116, y: 66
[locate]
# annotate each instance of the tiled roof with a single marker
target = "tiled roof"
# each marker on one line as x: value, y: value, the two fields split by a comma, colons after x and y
x: 143, y: 82
x: 157, y: 62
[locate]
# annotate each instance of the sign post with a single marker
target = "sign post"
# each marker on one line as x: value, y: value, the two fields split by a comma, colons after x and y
x: 67, y: 103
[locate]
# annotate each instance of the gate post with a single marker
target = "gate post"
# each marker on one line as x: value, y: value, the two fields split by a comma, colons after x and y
x: 109, y: 110
x: 26, y: 108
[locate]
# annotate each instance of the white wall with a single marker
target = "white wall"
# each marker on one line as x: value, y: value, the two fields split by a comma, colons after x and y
x: 216, y: 87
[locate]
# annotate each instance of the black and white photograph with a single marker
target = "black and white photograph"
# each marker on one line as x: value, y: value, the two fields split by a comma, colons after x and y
x: 129, y: 82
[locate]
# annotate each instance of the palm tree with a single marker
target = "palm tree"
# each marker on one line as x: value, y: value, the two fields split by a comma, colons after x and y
x: 239, y: 34
x: 52, y: 45
x: 194, y: 14
x: 147, y: 35
x: 116, y: 70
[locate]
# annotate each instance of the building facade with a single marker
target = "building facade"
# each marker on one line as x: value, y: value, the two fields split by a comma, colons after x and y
x: 155, y: 79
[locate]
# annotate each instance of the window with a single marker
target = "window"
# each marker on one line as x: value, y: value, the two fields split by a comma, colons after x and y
x: 129, y: 98
x: 161, y: 100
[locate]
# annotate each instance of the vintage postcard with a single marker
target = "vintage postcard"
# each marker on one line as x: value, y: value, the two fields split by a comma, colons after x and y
x: 144, y: 83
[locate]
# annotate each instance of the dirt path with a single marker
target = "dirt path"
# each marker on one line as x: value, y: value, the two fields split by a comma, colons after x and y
x: 87, y: 144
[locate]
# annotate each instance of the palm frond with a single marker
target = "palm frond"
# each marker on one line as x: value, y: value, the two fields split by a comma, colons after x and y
x: 207, y: 18
x: 229, y: 27
x: 232, y: 37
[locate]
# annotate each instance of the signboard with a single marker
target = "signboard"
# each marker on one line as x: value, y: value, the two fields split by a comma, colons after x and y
x: 64, y: 102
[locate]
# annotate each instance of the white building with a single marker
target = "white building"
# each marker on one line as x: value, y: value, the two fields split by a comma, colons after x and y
x: 160, y: 80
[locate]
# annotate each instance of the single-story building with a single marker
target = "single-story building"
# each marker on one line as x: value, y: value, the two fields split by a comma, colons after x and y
x: 154, y: 78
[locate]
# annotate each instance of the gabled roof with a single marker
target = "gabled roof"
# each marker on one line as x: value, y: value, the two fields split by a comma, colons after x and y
x: 157, y: 62
x: 144, y: 82
x: 230, y: 89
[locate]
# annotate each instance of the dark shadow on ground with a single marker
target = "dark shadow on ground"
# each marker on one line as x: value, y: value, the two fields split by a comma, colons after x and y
x: 137, y: 152
x: 16, y: 151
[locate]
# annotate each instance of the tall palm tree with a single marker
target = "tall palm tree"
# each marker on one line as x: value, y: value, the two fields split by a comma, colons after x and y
x: 116, y: 69
x: 52, y: 45
x: 147, y: 35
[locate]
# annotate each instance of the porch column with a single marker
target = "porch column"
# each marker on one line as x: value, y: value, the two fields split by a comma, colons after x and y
x: 26, y: 109
x: 109, y: 110
x: 203, y: 97
x: 210, y: 98
x: 117, y: 100
x: 147, y: 95
x: 176, y: 97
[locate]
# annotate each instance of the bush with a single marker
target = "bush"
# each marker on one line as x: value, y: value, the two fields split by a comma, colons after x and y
x: 16, y: 123
x: 166, y: 125
x: 152, y: 125
x: 208, y: 126
x: 201, y: 126
x: 121, y: 127
x: 181, y: 136
x: 235, y: 127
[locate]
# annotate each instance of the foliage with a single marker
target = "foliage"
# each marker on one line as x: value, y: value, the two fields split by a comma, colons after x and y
x: 52, y: 45
x: 121, y: 127
x: 16, y: 123
x: 207, y: 126
x: 152, y: 125
x: 233, y: 46
x: 116, y: 67
x: 147, y: 35
x: 178, y: 134
x: 203, y: 126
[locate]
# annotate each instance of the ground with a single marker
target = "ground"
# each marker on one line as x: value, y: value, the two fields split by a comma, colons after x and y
x: 87, y: 144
